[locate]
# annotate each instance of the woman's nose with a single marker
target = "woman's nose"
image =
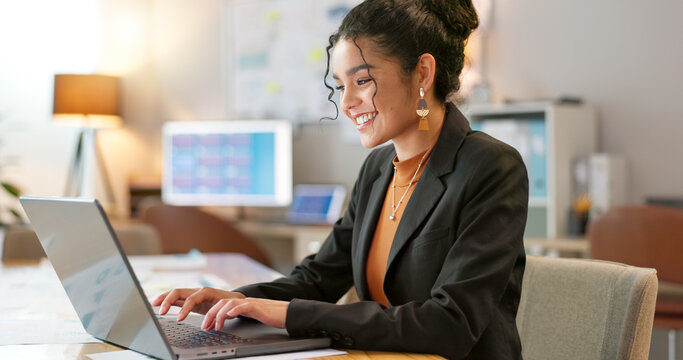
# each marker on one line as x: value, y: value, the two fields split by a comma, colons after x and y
x: 349, y: 99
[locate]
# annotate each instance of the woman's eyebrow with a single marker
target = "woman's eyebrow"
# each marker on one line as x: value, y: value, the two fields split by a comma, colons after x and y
x: 354, y: 70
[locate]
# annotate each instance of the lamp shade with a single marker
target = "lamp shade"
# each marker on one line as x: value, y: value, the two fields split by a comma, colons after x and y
x: 87, y: 100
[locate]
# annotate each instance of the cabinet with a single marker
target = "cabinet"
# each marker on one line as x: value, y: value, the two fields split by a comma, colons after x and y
x: 549, y: 137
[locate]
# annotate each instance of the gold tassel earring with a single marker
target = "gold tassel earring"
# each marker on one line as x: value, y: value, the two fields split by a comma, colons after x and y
x: 422, y: 112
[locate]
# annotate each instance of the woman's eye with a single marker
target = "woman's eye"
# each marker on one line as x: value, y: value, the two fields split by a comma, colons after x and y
x: 363, y: 81
x: 339, y: 87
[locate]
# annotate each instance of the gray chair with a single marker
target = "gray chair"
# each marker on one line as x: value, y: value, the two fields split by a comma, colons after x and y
x: 21, y: 242
x: 585, y: 309
x: 138, y: 238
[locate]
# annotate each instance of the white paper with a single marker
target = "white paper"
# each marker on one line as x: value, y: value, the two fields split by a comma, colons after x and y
x: 279, y: 57
x: 132, y: 355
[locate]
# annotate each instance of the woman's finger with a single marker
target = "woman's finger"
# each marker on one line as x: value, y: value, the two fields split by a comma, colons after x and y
x: 191, y: 302
x: 172, y: 298
x: 222, y: 313
x: 209, y: 318
x: 160, y: 298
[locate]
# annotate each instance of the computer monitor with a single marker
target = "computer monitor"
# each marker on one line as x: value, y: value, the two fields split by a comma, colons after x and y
x: 316, y: 204
x: 227, y: 163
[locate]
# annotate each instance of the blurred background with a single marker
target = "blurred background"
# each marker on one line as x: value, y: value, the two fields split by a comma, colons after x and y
x: 602, y: 78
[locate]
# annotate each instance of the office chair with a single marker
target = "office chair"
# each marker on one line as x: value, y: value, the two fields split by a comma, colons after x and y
x: 138, y: 238
x: 183, y: 228
x: 647, y: 236
x: 585, y: 309
x: 21, y: 242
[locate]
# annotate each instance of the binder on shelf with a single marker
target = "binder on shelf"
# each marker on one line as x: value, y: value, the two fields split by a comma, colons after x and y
x: 537, y: 165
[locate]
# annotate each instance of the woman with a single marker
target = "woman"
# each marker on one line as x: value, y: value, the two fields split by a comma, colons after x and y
x: 432, y: 237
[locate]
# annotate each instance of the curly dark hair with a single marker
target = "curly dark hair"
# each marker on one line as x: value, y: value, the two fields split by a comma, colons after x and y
x: 407, y: 29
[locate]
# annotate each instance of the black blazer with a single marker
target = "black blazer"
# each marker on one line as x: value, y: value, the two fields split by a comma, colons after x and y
x: 455, y: 268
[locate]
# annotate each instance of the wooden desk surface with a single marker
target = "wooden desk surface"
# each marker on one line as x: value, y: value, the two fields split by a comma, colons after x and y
x: 235, y: 268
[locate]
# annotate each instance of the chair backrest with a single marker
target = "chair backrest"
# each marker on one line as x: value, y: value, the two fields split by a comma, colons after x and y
x: 585, y: 309
x: 138, y: 238
x: 184, y: 228
x: 641, y: 235
x: 21, y: 242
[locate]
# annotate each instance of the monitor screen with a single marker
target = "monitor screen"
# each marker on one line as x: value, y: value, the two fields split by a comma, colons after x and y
x: 317, y: 204
x: 227, y: 163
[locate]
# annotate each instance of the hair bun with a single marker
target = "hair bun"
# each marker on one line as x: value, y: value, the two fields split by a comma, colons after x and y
x: 459, y: 16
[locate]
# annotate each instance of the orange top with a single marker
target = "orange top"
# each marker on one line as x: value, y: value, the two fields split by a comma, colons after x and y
x: 378, y: 255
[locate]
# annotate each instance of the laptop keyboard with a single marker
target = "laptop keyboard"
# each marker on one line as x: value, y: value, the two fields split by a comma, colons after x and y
x: 188, y: 336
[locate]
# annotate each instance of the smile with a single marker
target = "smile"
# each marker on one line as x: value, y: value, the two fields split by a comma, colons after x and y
x: 362, y: 119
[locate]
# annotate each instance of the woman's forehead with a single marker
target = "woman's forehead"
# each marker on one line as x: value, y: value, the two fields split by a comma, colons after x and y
x: 348, y: 54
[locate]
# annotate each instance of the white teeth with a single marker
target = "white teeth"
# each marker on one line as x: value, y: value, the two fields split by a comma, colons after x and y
x: 364, y: 118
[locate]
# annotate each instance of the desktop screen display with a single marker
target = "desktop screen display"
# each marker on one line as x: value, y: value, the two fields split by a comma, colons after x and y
x: 317, y: 204
x: 227, y: 163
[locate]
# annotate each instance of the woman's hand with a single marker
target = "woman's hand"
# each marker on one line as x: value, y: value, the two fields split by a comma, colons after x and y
x: 195, y: 300
x: 269, y: 312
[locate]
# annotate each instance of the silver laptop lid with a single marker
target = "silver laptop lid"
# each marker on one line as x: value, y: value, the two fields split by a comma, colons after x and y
x: 97, y: 277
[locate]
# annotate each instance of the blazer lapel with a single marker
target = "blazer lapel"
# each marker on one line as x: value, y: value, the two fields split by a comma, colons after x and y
x: 367, y: 231
x: 429, y: 187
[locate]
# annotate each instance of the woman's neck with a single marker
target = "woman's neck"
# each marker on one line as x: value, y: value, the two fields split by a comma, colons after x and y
x: 418, y: 141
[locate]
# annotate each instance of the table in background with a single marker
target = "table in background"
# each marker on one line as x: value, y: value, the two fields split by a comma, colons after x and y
x: 236, y: 269
x: 306, y: 239
x: 564, y: 247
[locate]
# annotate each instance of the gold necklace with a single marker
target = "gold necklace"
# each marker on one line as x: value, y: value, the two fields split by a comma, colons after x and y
x: 394, y: 208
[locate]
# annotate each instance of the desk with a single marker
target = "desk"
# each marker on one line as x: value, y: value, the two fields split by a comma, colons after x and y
x: 236, y: 269
x: 580, y: 247
x: 306, y: 239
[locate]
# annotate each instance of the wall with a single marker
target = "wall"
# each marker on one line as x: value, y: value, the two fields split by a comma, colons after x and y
x: 39, y: 38
x: 624, y: 57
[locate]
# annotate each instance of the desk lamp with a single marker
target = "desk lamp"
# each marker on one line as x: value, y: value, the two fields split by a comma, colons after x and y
x: 91, y: 103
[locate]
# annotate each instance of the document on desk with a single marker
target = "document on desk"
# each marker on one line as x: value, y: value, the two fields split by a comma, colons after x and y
x: 132, y: 355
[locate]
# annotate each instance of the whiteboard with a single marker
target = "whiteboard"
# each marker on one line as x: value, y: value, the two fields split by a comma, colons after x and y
x: 277, y: 57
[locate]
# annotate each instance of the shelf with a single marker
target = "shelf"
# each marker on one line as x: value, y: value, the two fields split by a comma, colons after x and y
x: 549, y: 137
x: 514, y: 109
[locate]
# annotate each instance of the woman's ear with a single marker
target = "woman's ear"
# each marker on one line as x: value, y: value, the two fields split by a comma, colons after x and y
x: 425, y: 71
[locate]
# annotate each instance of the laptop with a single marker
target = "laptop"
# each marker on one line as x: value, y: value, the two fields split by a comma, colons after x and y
x: 103, y: 289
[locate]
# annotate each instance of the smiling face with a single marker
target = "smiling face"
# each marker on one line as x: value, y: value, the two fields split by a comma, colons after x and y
x: 392, y: 115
